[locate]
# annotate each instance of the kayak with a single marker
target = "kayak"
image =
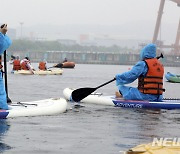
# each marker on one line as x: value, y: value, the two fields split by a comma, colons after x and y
x: 172, y: 77
x: 44, y: 107
x: 98, y: 98
x: 168, y: 147
x: 39, y: 72
x: 68, y: 64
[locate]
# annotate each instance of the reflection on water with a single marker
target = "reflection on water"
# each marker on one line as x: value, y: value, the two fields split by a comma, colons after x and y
x: 4, y: 126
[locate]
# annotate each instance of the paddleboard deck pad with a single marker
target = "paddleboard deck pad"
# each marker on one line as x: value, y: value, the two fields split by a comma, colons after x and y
x: 46, y: 107
x: 95, y: 98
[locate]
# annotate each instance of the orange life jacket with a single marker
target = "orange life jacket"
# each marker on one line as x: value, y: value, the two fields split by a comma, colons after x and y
x: 24, y: 66
x: 42, y: 66
x: 152, y: 82
x: 16, y: 65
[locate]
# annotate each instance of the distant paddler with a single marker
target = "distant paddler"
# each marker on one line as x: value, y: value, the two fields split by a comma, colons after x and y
x: 26, y: 65
x: 16, y: 64
x: 65, y: 64
x: 12, y: 59
x: 43, y: 65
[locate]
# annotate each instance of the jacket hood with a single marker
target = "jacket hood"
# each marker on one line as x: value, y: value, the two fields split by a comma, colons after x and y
x: 149, y: 51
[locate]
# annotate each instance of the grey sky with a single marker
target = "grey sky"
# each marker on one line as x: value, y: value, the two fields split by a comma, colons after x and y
x: 104, y: 12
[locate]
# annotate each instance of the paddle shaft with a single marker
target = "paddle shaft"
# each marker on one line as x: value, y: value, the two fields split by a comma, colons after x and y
x: 5, y: 70
x: 49, y: 67
x: 5, y: 76
x: 79, y: 94
x: 105, y: 83
x: 5, y: 73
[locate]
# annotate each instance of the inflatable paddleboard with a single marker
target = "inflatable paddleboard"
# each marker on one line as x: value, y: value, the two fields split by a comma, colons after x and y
x: 44, y: 107
x: 95, y: 98
x: 39, y: 72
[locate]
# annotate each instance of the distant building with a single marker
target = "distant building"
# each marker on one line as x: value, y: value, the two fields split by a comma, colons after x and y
x: 83, y: 38
x: 87, y: 40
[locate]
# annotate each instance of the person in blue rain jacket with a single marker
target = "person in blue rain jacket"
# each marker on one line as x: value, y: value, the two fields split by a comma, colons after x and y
x: 5, y: 42
x: 149, y: 71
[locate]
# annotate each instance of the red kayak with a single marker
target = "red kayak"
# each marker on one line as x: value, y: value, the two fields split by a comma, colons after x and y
x: 68, y: 64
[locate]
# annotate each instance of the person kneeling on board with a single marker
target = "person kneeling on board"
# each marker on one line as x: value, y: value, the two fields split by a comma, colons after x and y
x: 149, y: 71
x: 26, y: 65
x: 16, y: 64
x: 5, y: 42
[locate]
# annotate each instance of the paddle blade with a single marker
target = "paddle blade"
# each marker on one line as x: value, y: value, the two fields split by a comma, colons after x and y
x: 81, y: 93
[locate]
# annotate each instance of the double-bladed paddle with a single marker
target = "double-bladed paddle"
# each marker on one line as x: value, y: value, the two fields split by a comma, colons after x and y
x: 81, y: 93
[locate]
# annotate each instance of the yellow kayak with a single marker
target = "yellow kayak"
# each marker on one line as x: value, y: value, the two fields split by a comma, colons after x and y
x: 168, y: 148
x: 39, y: 72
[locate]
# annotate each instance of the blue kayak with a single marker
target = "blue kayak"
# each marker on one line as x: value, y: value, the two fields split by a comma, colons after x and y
x: 96, y: 98
x: 172, y: 77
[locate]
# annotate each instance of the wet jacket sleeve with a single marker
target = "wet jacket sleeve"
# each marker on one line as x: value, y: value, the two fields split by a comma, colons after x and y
x: 5, y: 42
x: 132, y: 75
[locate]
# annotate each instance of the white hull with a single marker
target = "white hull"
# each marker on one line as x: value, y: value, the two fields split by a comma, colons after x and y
x: 35, y: 108
x: 40, y: 72
x: 93, y: 99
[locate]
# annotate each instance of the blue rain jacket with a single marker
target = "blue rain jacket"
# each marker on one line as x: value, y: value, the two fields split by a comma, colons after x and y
x: 140, y: 68
x: 5, y: 42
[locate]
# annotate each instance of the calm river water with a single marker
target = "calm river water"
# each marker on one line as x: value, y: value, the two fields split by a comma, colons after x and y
x: 91, y: 129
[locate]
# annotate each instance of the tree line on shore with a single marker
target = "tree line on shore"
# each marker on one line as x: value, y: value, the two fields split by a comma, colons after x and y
x: 35, y: 46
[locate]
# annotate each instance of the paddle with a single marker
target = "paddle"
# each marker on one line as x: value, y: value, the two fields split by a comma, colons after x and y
x: 49, y: 67
x: 5, y: 72
x: 81, y: 93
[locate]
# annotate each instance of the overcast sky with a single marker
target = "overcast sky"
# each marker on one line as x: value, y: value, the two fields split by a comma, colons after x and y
x: 104, y: 12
